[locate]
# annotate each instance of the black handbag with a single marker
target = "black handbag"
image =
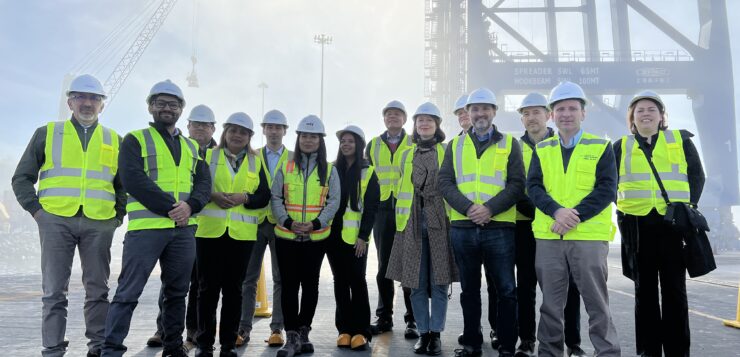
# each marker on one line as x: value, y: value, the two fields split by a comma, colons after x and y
x: 691, y: 225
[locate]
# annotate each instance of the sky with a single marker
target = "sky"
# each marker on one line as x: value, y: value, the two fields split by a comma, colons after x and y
x: 377, y: 55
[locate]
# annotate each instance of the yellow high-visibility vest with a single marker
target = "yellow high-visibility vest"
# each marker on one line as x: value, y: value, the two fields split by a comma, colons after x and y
x: 175, y: 180
x: 213, y: 221
x: 387, y: 164
x: 304, y: 200
x: 481, y: 179
x: 72, y: 177
x: 267, y: 213
x: 638, y: 191
x: 352, y: 219
x: 405, y: 191
x: 568, y: 189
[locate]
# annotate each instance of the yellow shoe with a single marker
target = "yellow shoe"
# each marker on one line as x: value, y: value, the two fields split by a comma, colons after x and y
x: 276, y: 339
x: 359, y: 342
x: 343, y: 340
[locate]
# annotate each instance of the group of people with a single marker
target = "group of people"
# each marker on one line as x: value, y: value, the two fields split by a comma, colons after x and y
x: 533, y: 210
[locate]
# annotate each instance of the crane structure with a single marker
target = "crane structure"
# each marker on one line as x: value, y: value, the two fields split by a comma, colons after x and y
x: 476, y: 43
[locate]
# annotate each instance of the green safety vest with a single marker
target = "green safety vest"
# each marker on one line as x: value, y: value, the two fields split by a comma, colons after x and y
x: 304, y: 199
x: 267, y: 213
x: 213, y: 221
x: 405, y: 191
x: 72, y: 177
x: 570, y: 188
x: 481, y: 179
x: 175, y: 180
x: 387, y: 164
x: 352, y: 219
x: 638, y: 191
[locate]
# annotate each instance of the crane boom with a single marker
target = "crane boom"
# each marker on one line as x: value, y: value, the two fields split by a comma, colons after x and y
x: 124, y: 67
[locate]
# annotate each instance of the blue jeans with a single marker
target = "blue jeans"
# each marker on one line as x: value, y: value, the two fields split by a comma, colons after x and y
x: 495, y: 250
x: 420, y: 297
x: 174, y: 248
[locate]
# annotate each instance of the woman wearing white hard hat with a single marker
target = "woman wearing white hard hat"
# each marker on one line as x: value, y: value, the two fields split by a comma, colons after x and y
x: 305, y: 198
x: 422, y: 257
x: 350, y: 234
x: 227, y: 229
x: 652, y: 250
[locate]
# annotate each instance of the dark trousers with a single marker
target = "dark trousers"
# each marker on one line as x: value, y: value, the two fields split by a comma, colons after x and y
x: 495, y: 250
x: 350, y: 287
x: 174, y: 248
x: 384, y: 232
x: 300, y: 269
x: 222, y: 263
x: 660, y: 261
x: 191, y: 313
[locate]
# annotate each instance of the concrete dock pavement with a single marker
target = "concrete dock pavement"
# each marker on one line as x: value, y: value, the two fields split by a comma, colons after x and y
x: 711, y: 299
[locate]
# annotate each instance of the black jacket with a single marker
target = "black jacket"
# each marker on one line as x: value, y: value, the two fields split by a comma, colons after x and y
x: 138, y: 184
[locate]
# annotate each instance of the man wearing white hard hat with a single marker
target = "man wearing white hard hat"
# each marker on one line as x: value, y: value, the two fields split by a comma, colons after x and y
x: 535, y: 114
x: 79, y: 203
x: 346, y: 247
x: 201, y: 126
x: 384, y: 153
x: 273, y: 155
x: 572, y: 181
x: 227, y: 231
x: 167, y: 183
x: 482, y: 178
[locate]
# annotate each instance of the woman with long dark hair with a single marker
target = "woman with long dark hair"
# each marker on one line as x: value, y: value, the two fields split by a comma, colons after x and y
x: 227, y: 229
x: 350, y: 235
x: 305, y: 197
x: 422, y: 257
x: 651, y: 248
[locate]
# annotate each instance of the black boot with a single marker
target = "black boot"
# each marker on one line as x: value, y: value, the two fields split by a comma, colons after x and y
x: 292, y: 345
x: 421, y: 344
x: 435, y: 344
x: 306, y: 345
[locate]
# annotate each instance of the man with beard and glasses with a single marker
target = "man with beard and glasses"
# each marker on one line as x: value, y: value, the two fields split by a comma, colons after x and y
x: 79, y: 204
x: 167, y: 183
x: 201, y: 126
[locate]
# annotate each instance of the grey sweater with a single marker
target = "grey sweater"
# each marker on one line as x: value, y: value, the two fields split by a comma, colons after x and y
x: 308, y: 164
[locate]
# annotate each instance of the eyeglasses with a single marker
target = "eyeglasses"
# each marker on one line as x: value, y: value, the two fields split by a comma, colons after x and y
x: 161, y: 104
x: 92, y: 97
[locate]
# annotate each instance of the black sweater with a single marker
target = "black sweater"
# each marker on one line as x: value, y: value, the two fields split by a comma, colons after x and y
x: 143, y: 189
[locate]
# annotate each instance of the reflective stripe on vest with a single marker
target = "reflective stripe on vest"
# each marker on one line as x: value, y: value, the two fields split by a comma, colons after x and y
x: 352, y: 219
x: 405, y: 191
x: 387, y: 163
x: 571, y: 187
x: 479, y: 180
x: 304, y: 199
x: 638, y: 191
x: 72, y: 177
x: 267, y: 212
x: 159, y: 165
x: 241, y: 223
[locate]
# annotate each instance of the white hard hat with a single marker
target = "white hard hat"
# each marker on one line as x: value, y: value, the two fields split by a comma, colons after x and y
x: 352, y: 129
x: 394, y: 104
x: 533, y: 99
x: 481, y: 96
x: 275, y: 117
x: 311, y: 124
x: 648, y: 94
x: 86, y: 84
x: 428, y: 108
x: 166, y: 87
x: 460, y: 103
x: 566, y: 90
x: 241, y: 119
x: 202, y: 113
